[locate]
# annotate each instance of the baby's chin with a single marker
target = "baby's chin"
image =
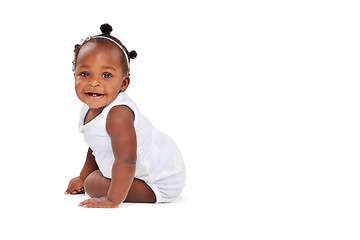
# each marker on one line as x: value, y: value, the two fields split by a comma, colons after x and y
x: 96, y: 101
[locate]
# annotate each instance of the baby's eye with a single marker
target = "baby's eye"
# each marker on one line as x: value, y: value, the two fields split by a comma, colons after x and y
x: 106, y: 75
x: 84, y: 74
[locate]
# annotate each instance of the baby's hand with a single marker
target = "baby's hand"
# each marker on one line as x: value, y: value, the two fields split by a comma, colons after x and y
x: 76, y: 186
x: 102, y: 202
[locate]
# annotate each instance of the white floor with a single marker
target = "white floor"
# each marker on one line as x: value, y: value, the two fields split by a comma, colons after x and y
x: 57, y: 216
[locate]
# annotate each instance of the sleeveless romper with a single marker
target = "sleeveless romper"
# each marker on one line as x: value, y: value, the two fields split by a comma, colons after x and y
x: 159, y: 162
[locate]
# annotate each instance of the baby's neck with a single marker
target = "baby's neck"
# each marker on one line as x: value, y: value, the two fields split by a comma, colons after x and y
x: 92, y: 113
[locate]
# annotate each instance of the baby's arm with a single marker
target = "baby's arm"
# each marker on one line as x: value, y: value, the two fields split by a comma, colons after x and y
x: 120, y: 127
x: 76, y: 185
x: 89, y: 166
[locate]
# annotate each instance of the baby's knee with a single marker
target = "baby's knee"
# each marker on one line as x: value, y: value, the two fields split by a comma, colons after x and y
x: 89, y: 181
x: 96, y: 185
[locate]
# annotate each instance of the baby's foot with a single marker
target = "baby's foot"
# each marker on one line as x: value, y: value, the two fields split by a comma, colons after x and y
x: 80, y: 191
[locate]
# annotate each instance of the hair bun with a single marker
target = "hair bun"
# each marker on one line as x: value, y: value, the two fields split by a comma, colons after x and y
x: 132, y: 54
x: 106, y: 29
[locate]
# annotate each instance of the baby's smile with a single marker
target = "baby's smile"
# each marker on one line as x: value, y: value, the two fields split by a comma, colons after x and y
x: 92, y: 94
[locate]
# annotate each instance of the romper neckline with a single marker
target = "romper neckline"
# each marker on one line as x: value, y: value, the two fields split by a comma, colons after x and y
x: 92, y: 120
x: 82, y: 121
x: 87, y: 108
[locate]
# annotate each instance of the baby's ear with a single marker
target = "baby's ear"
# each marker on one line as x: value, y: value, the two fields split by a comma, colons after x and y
x: 125, y: 83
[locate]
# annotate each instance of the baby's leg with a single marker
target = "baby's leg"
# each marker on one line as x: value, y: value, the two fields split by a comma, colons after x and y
x: 140, y: 192
x: 96, y: 185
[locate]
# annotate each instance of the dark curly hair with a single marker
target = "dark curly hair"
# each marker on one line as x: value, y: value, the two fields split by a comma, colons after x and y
x: 102, y: 38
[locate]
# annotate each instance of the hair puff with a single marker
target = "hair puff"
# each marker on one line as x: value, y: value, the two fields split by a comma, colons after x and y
x: 132, y: 54
x: 106, y: 29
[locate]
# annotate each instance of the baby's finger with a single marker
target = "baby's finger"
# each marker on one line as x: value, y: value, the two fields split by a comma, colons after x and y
x: 85, y: 204
x: 70, y: 189
x: 93, y: 205
x: 80, y: 190
x: 88, y: 201
x: 76, y: 191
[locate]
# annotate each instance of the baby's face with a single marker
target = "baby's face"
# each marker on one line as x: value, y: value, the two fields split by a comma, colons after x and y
x: 99, y: 75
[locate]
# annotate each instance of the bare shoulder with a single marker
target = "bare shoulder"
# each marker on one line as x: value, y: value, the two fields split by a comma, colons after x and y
x: 119, y: 117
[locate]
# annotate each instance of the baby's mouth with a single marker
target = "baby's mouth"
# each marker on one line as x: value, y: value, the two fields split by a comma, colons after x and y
x: 91, y: 94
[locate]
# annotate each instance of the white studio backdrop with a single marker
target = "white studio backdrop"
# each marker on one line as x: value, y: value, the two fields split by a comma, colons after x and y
x: 261, y: 97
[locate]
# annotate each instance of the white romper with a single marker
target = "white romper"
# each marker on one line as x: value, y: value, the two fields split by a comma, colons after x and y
x: 159, y: 162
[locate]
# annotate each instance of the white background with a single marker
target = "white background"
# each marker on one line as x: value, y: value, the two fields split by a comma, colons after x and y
x: 262, y: 98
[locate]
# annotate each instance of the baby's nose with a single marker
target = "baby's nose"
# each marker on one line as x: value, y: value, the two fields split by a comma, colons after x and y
x: 94, y: 82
